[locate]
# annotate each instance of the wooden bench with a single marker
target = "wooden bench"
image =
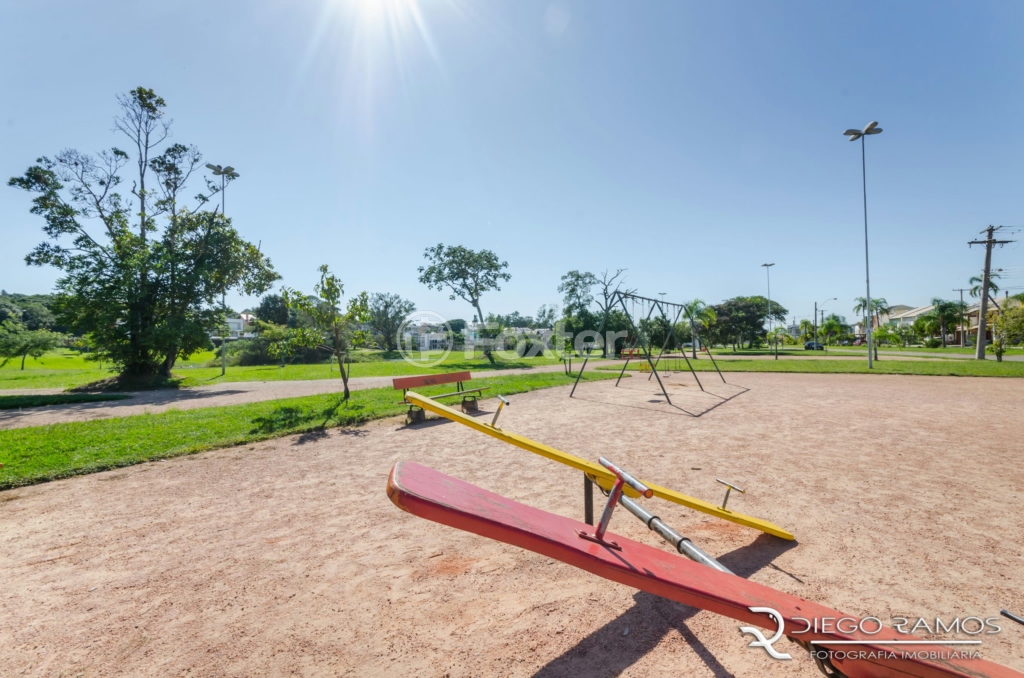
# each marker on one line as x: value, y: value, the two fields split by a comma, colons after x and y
x: 469, y: 395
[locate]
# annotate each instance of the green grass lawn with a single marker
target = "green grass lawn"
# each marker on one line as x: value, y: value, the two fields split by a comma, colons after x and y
x: 68, y: 369
x: 948, y: 351
x: 393, y: 368
x: 954, y: 368
x: 42, y: 453
x: 22, y: 401
x: 799, y: 352
x: 56, y: 371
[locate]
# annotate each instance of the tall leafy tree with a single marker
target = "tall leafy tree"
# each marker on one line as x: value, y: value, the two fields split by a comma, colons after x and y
x: 334, y: 330
x: 466, y: 274
x: 387, y: 313
x: 546, y: 316
x: 576, y: 291
x: 145, y: 294
x: 272, y: 309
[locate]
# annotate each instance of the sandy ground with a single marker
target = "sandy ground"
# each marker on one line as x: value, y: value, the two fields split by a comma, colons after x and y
x: 240, y: 392
x: 286, y: 558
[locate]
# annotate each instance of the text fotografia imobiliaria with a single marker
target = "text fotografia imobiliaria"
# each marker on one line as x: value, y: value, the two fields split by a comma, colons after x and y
x: 881, y: 648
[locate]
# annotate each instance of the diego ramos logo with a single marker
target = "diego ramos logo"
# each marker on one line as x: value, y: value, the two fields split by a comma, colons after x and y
x: 767, y: 644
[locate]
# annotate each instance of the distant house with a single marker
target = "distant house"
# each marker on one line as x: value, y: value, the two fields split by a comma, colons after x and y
x: 883, y: 319
x: 238, y: 328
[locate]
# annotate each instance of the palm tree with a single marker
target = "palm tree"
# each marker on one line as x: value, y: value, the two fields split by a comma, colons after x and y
x: 879, y: 307
x: 976, y: 282
x: 806, y: 330
x: 945, y: 312
x: 701, y: 316
x: 830, y: 328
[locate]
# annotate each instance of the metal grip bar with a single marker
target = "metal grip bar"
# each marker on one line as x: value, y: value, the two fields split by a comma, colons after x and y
x: 729, y: 487
x: 628, y: 479
x: 678, y: 541
x: 500, y: 405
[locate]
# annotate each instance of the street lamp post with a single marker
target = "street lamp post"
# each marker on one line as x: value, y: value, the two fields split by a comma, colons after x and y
x: 224, y: 173
x: 816, y: 317
x: 768, y: 272
x: 854, y: 134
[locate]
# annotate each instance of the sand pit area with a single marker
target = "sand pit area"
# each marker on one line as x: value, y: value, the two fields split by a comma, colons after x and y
x: 286, y: 557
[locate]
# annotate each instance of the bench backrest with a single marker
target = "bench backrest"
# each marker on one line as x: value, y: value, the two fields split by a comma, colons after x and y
x: 404, y: 383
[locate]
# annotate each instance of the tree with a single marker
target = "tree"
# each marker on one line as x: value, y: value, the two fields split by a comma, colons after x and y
x: 334, y: 330
x: 37, y: 317
x: 458, y: 325
x: 17, y: 341
x: 575, y: 289
x: 272, y: 309
x: 806, y: 330
x: 945, y: 313
x: 9, y: 310
x: 387, y: 313
x: 1008, y: 329
x: 145, y: 297
x: 546, y: 316
x: 879, y: 307
x: 700, y: 317
x: 831, y: 328
x: 609, y: 284
x: 467, y: 274
x: 976, y: 281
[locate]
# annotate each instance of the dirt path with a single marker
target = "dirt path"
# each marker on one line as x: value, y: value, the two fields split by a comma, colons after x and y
x: 239, y: 392
x: 215, y: 395
x: 286, y: 558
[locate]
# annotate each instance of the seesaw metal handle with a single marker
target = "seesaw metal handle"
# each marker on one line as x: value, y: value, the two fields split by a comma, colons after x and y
x: 628, y: 479
x: 729, y: 487
x: 500, y: 405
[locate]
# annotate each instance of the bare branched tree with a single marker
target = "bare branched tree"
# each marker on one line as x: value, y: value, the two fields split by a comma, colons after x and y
x: 609, y: 284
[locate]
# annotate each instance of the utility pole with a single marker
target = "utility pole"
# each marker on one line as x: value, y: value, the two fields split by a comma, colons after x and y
x: 815, y: 318
x: 771, y: 327
x: 225, y: 174
x: 963, y: 330
x: 988, y: 242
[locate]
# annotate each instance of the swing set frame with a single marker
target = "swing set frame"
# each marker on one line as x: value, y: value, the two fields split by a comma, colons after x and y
x: 619, y: 298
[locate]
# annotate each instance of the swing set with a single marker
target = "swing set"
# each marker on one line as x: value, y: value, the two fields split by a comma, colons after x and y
x: 640, y: 344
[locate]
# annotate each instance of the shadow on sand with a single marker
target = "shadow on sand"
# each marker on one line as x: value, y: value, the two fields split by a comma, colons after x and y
x: 608, y: 652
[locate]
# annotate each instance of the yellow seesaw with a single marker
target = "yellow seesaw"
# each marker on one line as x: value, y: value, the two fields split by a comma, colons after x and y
x: 600, y: 474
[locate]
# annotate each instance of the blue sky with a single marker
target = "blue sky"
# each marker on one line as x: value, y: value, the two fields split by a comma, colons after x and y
x: 689, y: 142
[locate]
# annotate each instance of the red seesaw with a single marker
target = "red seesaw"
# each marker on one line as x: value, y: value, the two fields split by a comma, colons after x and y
x: 866, y: 651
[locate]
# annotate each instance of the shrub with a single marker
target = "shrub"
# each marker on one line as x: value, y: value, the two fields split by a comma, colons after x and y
x: 933, y: 342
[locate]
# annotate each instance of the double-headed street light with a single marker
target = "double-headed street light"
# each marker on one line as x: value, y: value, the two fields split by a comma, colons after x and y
x: 854, y: 134
x: 768, y: 271
x: 224, y: 173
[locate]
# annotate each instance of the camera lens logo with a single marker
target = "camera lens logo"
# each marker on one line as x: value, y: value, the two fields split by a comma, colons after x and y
x: 425, y: 339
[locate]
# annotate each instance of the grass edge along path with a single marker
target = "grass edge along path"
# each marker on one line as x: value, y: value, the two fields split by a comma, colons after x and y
x: 42, y: 453
x: 932, y: 368
x: 18, y: 402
